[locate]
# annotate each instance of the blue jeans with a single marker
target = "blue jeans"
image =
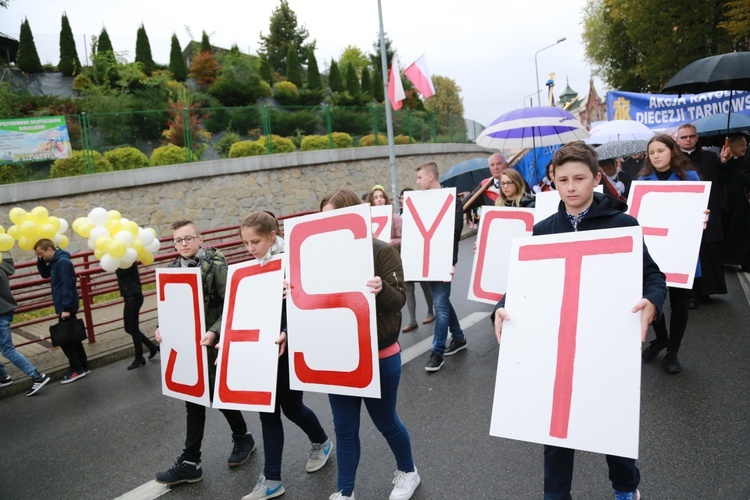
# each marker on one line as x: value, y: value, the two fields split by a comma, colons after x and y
x: 445, y: 316
x: 382, y: 411
x: 9, y: 351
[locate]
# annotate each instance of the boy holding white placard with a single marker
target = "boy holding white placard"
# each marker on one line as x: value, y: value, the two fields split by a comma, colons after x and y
x: 576, y: 173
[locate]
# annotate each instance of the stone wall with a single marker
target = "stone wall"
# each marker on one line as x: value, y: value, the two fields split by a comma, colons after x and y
x: 218, y: 193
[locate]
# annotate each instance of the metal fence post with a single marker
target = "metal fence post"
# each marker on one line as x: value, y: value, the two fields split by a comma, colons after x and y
x: 88, y: 156
x: 374, y: 114
x: 267, y: 129
x: 329, y: 126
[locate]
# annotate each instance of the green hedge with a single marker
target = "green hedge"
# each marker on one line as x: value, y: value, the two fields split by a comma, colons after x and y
x: 126, y: 158
x: 369, y: 140
x: 246, y: 148
x: 168, y: 155
x: 68, y: 167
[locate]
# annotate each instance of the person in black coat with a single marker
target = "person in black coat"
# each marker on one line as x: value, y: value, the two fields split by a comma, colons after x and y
x: 736, y: 216
x: 129, y: 282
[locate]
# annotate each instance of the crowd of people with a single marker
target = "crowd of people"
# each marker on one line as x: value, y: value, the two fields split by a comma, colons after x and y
x: 574, y: 169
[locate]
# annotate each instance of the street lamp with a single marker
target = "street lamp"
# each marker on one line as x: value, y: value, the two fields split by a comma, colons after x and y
x: 536, y: 66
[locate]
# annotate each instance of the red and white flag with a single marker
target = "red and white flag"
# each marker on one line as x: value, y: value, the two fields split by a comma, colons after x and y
x: 418, y: 74
x: 395, y: 88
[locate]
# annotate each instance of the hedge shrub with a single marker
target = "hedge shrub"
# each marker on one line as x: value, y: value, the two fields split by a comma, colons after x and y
x: 168, y: 155
x: 342, y: 140
x: 223, y: 145
x: 403, y: 139
x: 73, y: 165
x: 241, y: 149
x: 314, y: 143
x: 126, y: 158
x: 286, y: 93
x: 369, y: 140
x: 280, y: 144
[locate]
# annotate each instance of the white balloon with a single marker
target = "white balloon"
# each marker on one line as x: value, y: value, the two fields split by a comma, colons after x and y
x: 98, y: 232
x: 109, y: 263
x: 56, y: 239
x: 154, y: 246
x: 92, y: 243
x: 63, y: 226
x: 99, y: 216
x: 125, y: 237
x: 146, y: 237
x: 123, y: 220
x: 130, y: 256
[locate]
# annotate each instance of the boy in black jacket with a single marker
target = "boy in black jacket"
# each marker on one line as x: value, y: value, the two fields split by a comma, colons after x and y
x: 576, y: 173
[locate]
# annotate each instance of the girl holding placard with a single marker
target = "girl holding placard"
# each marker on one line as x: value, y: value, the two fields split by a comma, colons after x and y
x: 388, y: 287
x: 378, y: 198
x: 513, y: 191
x: 260, y: 235
x: 665, y: 162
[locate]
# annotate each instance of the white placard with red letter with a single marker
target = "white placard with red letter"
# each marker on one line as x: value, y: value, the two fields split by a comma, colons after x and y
x: 570, y: 376
x: 429, y: 221
x: 671, y: 214
x: 331, y: 317
x: 247, y: 367
x: 497, y: 227
x: 179, y: 303
x: 382, y: 222
x: 546, y: 203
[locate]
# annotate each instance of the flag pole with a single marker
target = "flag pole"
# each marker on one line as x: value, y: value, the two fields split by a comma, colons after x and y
x: 388, y: 115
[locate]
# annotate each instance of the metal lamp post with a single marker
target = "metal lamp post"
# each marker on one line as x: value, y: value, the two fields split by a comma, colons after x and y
x: 536, y: 66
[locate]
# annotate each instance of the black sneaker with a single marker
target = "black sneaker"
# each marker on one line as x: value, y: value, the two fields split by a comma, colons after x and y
x: 454, y: 347
x: 653, y: 350
x: 6, y: 380
x: 672, y: 364
x: 38, y: 384
x: 183, y: 471
x: 434, y: 364
x: 153, y: 352
x: 241, y: 451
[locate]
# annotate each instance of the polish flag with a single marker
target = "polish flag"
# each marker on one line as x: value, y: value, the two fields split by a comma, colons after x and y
x: 395, y: 87
x: 418, y: 74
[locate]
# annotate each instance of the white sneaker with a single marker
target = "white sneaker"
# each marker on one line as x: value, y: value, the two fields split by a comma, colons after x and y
x: 266, y: 488
x: 319, y: 455
x: 405, y: 484
x: 340, y: 496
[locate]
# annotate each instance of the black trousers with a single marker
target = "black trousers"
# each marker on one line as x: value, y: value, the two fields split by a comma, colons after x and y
x: 558, y: 473
x: 131, y: 318
x: 75, y: 353
x: 196, y: 422
x: 678, y: 319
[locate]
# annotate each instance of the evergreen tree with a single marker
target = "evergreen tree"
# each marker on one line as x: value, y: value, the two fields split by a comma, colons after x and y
x: 352, y: 82
x: 143, y: 50
x: 105, y: 45
x: 265, y: 70
x: 366, y: 83
x: 28, y: 58
x: 334, y: 78
x: 313, y: 74
x: 176, y: 62
x: 293, y: 69
x: 69, y: 64
x: 283, y: 32
x: 378, y: 92
x: 205, y: 43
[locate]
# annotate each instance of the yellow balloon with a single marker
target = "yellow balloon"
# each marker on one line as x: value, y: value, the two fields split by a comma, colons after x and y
x: 2, y: 230
x: 114, y: 215
x: 117, y: 248
x: 102, y: 243
x: 85, y: 227
x: 28, y: 229
x: 39, y: 214
x: 113, y: 226
x: 64, y: 241
x: 18, y: 215
x: 13, y: 232
x: 131, y: 227
x: 99, y: 254
x: 138, y: 247
x: 147, y: 258
x: 77, y: 222
x: 54, y: 221
x: 25, y: 243
x: 46, y: 231
x: 6, y: 242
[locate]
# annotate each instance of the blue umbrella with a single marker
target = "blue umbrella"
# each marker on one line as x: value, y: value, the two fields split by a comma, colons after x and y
x: 467, y: 175
x: 716, y: 124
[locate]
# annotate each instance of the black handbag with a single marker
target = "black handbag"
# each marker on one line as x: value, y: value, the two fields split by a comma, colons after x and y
x: 66, y: 332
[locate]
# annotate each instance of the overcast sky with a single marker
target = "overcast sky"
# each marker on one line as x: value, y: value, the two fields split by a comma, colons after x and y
x: 486, y: 46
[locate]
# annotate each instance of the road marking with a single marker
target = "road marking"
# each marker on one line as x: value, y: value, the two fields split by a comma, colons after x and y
x: 745, y: 282
x: 150, y: 490
x: 426, y: 344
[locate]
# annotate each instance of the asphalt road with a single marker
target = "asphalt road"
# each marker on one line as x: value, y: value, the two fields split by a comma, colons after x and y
x: 106, y: 435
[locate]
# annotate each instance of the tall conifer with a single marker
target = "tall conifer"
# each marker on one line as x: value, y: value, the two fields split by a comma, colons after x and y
x: 28, y: 58
x: 69, y: 64
x: 176, y: 62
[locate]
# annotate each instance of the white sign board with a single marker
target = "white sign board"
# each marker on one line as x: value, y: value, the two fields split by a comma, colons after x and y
x: 497, y: 227
x: 331, y: 317
x: 671, y: 214
x: 429, y: 221
x: 247, y: 366
x: 546, y: 203
x: 184, y: 367
x: 570, y: 376
x: 382, y: 222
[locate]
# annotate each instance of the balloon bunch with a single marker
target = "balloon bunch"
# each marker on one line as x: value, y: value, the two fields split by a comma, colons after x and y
x: 30, y: 227
x: 116, y: 241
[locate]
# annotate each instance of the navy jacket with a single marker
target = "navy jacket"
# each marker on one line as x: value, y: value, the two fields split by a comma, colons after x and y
x: 62, y: 277
x: 606, y: 213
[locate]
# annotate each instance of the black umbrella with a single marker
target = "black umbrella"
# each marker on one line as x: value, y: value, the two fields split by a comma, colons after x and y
x: 467, y: 175
x: 723, y: 72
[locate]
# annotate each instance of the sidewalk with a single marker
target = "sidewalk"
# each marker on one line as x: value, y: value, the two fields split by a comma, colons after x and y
x: 112, y: 343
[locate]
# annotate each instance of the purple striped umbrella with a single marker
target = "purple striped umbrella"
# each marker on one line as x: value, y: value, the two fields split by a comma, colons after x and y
x: 531, y: 128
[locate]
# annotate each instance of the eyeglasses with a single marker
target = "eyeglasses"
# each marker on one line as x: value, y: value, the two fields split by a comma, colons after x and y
x: 186, y: 239
x: 506, y: 183
x: 685, y: 137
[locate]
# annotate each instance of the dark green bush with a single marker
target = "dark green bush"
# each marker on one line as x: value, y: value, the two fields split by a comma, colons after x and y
x: 126, y: 158
x: 351, y: 121
x: 286, y: 123
x: 223, y: 145
x: 11, y: 174
x: 246, y: 148
x: 74, y: 165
